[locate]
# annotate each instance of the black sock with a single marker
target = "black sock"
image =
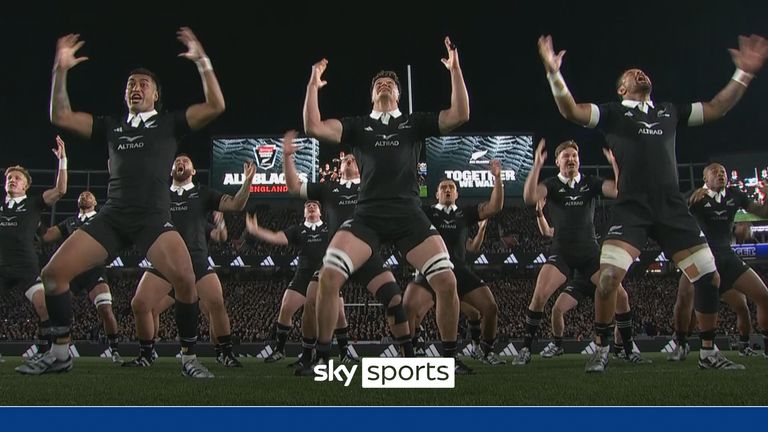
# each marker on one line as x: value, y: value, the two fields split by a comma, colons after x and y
x: 624, y: 323
x: 474, y: 330
x: 743, y: 342
x: 225, y: 345
x: 342, y: 338
x: 114, y: 342
x: 604, y: 331
x: 44, y: 339
x: 323, y: 350
x: 617, y: 347
x: 282, y: 337
x: 406, y: 346
x: 708, y: 335
x: 186, y: 323
x: 558, y: 341
x: 416, y: 337
x: 307, y: 348
x: 449, y: 348
x: 532, y: 322
x: 59, y: 314
x: 487, y: 345
x: 145, y: 348
x: 680, y: 338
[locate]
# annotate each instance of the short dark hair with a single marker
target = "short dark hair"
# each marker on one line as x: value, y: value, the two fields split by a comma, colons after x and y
x: 22, y: 170
x: 183, y: 155
x: 153, y: 76
x: 316, y: 202
x: 565, y: 145
x: 387, y: 74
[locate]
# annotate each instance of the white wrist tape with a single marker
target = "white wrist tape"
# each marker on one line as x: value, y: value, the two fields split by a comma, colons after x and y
x: 63, y: 163
x: 742, y: 77
x: 557, y: 84
x: 204, y: 64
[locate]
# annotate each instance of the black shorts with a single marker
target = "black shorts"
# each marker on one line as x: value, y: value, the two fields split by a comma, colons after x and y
x: 663, y: 216
x: 200, y: 266
x: 301, y: 280
x: 466, y: 281
x: 580, y: 288
x: 115, y: 229
x: 86, y: 281
x: 406, y: 227
x: 583, y: 260
x: 730, y: 266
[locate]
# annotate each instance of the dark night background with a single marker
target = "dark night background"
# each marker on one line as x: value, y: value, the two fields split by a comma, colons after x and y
x: 262, y: 53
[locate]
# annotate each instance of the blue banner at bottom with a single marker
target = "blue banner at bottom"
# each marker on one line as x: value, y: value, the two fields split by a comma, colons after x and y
x: 371, y: 419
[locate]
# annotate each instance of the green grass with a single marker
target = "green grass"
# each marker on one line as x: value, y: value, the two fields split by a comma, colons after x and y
x: 559, y: 381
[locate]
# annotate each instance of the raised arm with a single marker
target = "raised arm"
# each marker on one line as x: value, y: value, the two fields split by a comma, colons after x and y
x: 533, y: 192
x: 610, y: 188
x: 52, y: 234
x: 324, y: 130
x: 55, y: 193
x: 541, y: 221
x: 749, y: 59
x: 199, y: 115
x: 219, y: 231
x: 60, y: 111
x: 458, y: 113
x: 496, y: 203
x: 289, y: 165
x: 759, y: 209
x: 580, y: 113
x: 475, y: 243
x: 263, y: 234
x: 231, y: 203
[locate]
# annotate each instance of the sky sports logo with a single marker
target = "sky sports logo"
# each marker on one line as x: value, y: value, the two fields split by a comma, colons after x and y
x: 398, y: 372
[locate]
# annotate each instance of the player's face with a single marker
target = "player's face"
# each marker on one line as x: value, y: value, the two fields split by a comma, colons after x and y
x: 182, y: 169
x: 385, y: 88
x: 568, y: 162
x: 141, y: 93
x: 349, y: 167
x: 311, y: 211
x: 447, y: 193
x: 635, y: 81
x: 716, y: 177
x: 16, y: 184
x: 86, y: 200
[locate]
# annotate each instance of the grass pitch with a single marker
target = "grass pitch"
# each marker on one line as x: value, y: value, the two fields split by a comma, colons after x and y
x: 558, y: 381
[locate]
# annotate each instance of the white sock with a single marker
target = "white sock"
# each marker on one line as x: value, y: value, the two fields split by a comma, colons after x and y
x: 704, y: 353
x: 185, y: 358
x: 61, y: 351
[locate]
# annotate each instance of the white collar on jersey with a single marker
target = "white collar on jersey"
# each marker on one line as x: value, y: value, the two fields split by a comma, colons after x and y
x: 642, y: 105
x: 13, y: 202
x: 569, y: 182
x: 385, y: 116
x: 135, y: 119
x: 718, y: 196
x: 84, y: 216
x: 446, y: 209
x: 348, y: 183
x: 180, y: 189
x: 311, y: 225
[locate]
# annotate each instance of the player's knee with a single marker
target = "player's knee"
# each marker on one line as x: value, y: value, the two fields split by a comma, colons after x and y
x: 140, y: 305
x: 490, y: 310
x: 438, y: 271
x: 52, y: 279
x: 610, y: 279
x: 34, y: 289
x: 330, y: 280
x: 103, y: 300
x: 337, y: 262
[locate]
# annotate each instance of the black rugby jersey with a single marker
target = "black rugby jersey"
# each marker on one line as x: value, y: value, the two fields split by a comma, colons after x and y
x: 18, y: 226
x: 716, y: 218
x: 72, y: 224
x: 572, y: 210
x: 453, y: 226
x: 189, y: 213
x: 337, y: 201
x: 312, y: 243
x: 140, y: 159
x: 387, y: 156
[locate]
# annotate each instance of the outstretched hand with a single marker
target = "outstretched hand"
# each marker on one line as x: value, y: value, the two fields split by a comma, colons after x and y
x: 60, y: 151
x: 249, y: 170
x: 540, y: 155
x: 288, y: 147
x: 697, y: 196
x: 552, y: 61
x: 251, y: 223
x: 452, y: 62
x: 316, y: 79
x: 751, y: 53
x: 195, y: 51
x: 66, y: 47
